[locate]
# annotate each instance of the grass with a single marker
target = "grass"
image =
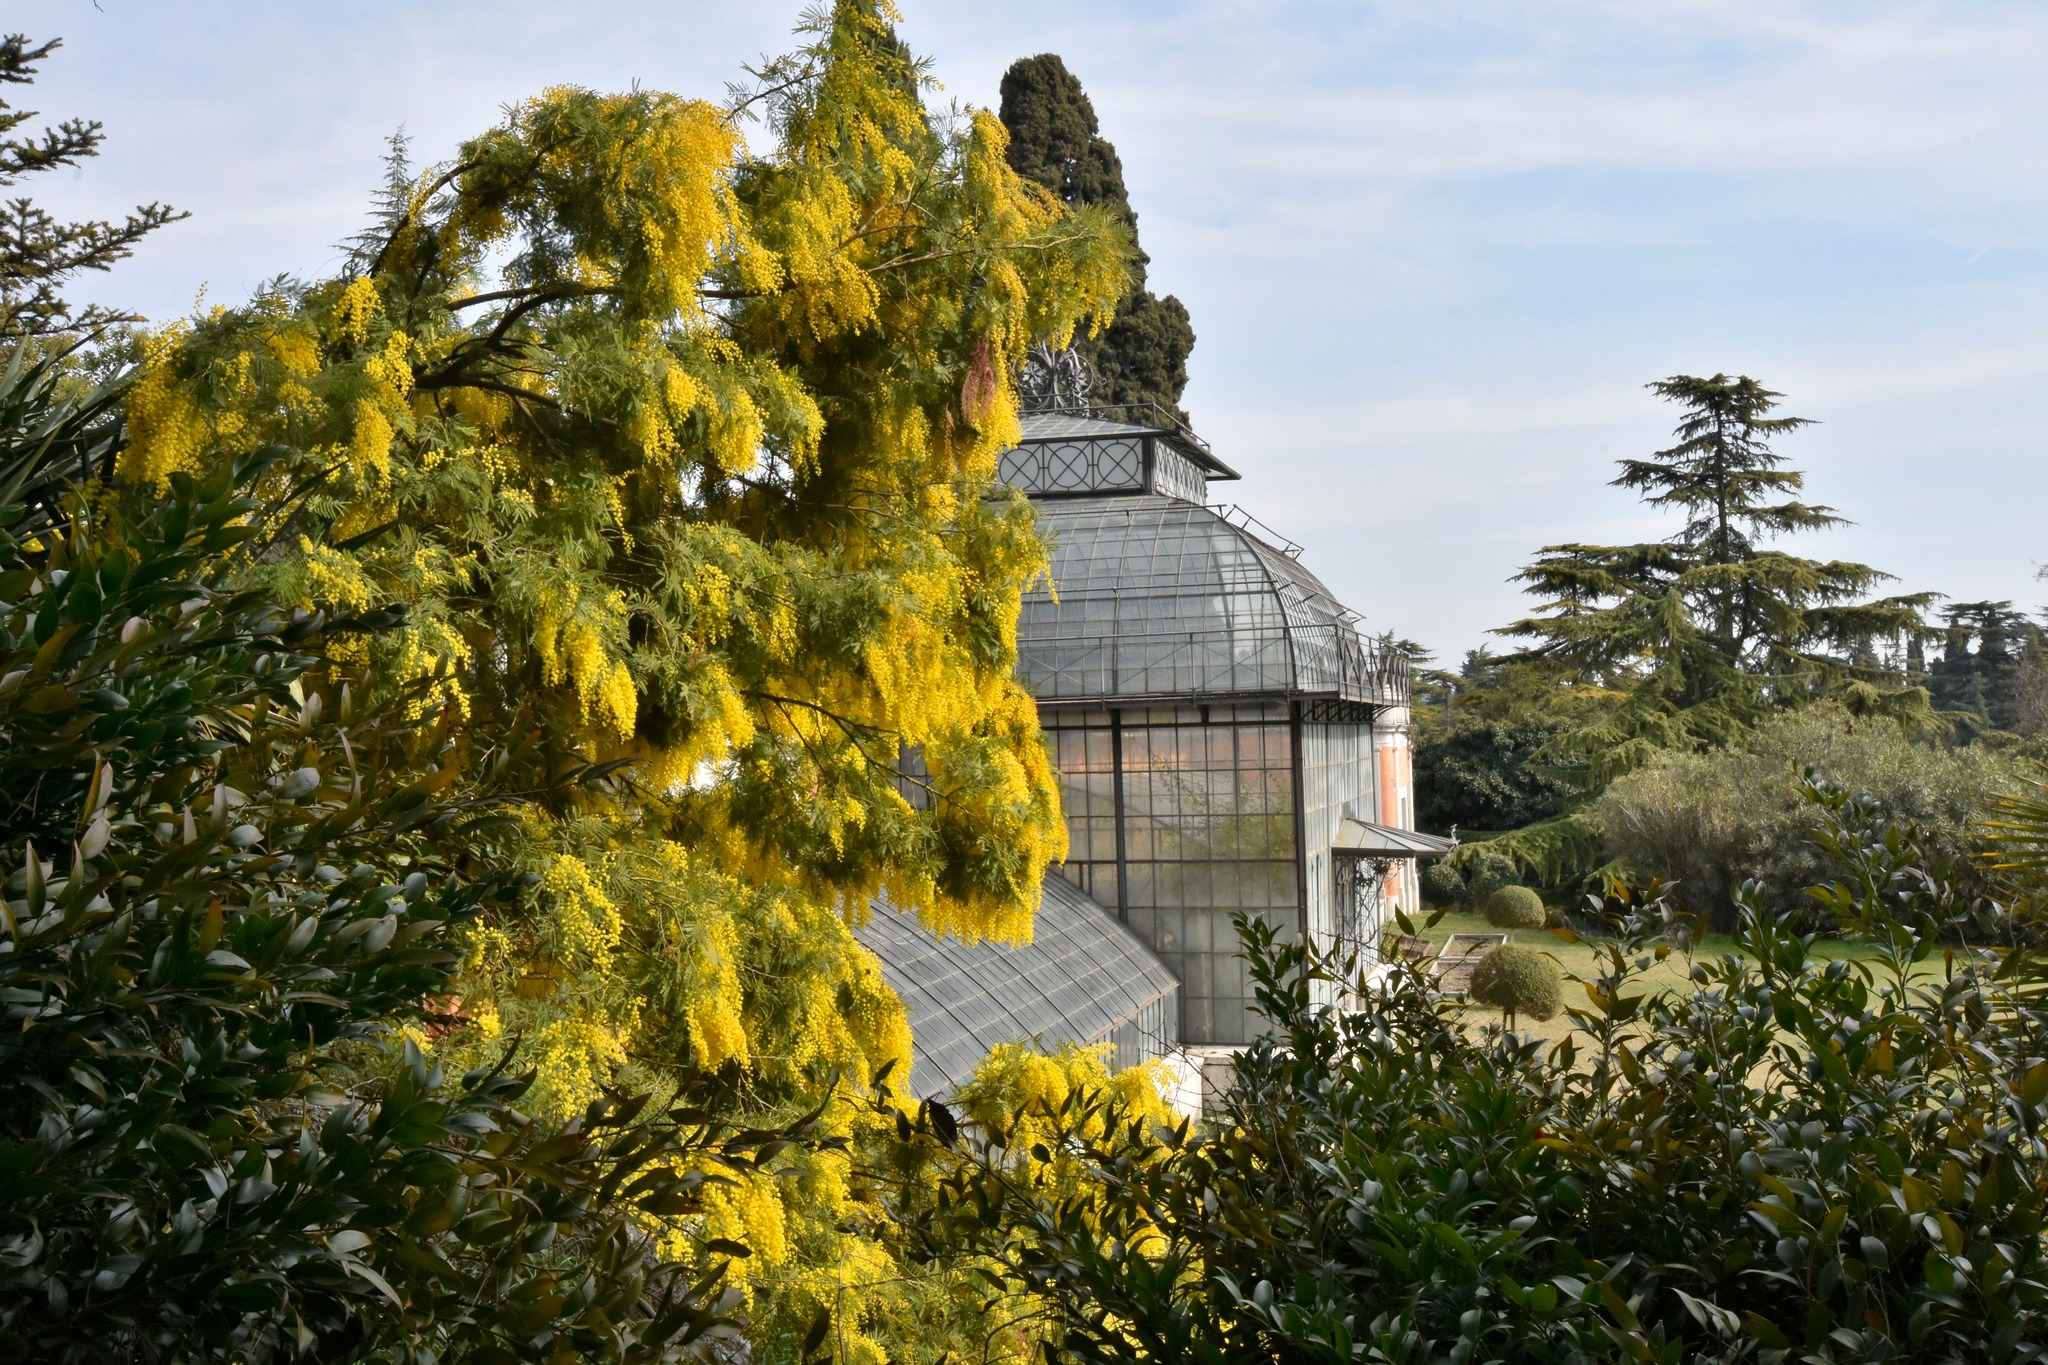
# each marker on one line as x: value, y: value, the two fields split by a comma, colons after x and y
x: 1582, y: 960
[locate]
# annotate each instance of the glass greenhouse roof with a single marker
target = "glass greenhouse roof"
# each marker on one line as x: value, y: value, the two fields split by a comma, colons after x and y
x: 1161, y: 598
x: 1081, y: 976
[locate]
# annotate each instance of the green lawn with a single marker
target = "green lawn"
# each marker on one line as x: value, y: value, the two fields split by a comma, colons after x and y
x: 1578, y: 959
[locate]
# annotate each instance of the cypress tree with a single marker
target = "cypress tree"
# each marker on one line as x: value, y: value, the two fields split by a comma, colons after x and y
x: 1142, y: 356
x: 1983, y: 687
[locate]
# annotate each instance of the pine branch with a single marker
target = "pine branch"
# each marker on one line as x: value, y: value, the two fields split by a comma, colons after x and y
x: 38, y: 253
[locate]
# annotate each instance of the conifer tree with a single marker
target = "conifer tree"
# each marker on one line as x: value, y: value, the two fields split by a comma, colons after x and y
x: 38, y: 253
x: 1142, y: 356
x: 1984, y: 686
x: 1708, y: 627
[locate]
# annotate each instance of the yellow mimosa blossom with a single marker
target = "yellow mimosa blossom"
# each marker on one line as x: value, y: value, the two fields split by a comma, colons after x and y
x: 651, y: 451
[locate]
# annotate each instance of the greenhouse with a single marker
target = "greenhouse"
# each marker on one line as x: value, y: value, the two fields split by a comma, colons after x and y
x: 1228, y: 740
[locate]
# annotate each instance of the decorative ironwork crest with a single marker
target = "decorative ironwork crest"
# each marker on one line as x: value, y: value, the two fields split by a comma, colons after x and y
x: 1054, y: 381
x: 1361, y: 902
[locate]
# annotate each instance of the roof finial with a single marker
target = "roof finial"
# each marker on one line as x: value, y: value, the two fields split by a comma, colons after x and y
x: 1054, y: 381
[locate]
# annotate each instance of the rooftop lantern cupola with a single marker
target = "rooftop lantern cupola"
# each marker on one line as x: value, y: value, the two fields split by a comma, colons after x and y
x: 1074, y: 448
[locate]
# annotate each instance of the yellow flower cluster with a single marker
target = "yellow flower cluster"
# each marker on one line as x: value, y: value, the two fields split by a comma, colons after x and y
x: 488, y: 1023
x: 750, y: 1211
x: 717, y: 1033
x: 297, y: 351
x: 586, y: 923
x: 390, y: 380
x: 168, y: 433
x: 572, y: 1058
x: 570, y: 634
x: 433, y: 650
x: 486, y: 948
x: 334, y: 578
x: 358, y: 306
x: 1020, y: 1090
x: 369, y: 446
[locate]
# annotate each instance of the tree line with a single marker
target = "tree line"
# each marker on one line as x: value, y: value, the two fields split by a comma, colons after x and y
x: 1653, y: 675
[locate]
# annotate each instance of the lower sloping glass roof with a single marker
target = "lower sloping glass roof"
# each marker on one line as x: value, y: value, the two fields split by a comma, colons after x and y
x: 1385, y: 841
x: 1082, y: 974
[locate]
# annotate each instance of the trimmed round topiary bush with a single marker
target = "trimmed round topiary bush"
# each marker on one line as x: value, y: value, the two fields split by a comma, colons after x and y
x: 1515, y: 907
x: 1441, y: 884
x: 1485, y: 871
x: 1517, y: 980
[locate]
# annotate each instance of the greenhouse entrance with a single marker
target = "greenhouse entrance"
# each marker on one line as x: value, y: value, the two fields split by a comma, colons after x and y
x: 1368, y: 860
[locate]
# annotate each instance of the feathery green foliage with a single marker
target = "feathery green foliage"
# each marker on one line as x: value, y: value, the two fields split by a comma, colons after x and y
x: 1707, y: 630
x: 1483, y: 761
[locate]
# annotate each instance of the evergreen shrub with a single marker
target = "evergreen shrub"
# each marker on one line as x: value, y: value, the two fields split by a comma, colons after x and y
x: 1482, y: 774
x: 1486, y: 871
x: 1519, y: 980
x: 1630, y: 1195
x: 1441, y: 884
x: 1515, y: 907
x: 1708, y: 823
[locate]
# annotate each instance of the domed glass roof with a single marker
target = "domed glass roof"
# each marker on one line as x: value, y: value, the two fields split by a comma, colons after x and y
x: 1156, y: 597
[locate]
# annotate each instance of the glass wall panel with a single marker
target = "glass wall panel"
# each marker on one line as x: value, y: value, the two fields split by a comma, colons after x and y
x: 1084, y: 757
x: 1336, y: 780
x: 1208, y: 830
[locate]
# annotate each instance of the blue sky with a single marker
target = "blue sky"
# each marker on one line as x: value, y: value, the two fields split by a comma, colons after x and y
x: 1433, y: 249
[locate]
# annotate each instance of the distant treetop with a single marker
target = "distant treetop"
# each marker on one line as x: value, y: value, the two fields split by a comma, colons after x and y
x: 1055, y: 140
x: 38, y: 253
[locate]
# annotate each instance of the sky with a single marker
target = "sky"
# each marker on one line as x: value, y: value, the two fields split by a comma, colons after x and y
x: 1433, y: 249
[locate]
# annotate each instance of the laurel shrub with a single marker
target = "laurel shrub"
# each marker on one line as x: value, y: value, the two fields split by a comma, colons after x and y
x: 1485, y: 870
x: 1441, y: 885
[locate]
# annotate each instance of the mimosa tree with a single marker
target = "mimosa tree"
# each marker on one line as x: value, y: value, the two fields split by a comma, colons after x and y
x: 676, y: 460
